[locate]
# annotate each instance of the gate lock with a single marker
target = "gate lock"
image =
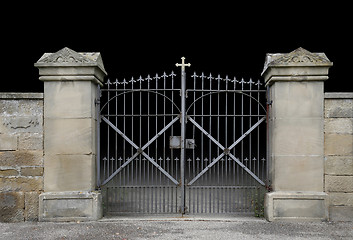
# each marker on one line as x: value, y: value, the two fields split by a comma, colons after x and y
x: 175, y: 143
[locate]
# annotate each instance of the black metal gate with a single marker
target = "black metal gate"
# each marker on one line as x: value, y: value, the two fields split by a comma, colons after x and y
x: 170, y: 144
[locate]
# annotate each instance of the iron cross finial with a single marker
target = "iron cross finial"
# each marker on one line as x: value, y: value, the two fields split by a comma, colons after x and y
x: 183, y: 64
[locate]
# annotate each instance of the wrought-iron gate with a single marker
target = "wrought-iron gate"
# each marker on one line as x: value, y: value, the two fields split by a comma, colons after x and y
x: 171, y: 144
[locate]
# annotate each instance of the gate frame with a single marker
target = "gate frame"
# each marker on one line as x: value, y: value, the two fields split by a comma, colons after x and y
x: 183, y: 119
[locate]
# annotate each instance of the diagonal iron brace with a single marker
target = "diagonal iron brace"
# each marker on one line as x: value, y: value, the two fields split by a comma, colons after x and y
x: 140, y: 150
x: 226, y: 150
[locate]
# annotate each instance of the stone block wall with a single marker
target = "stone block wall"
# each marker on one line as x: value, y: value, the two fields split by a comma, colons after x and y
x: 21, y: 155
x: 338, y: 131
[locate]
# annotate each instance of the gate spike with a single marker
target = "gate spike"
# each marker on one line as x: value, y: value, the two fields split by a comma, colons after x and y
x: 160, y: 159
x: 194, y: 75
x: 198, y: 159
x: 108, y: 82
x: 246, y: 159
x: 189, y: 160
x: 254, y: 159
x: 112, y: 159
x: 205, y: 159
x: 120, y: 159
x: 176, y: 159
x: 156, y: 77
x: 164, y: 75
x: 140, y: 79
x: 148, y: 78
x: 210, y: 77
x: 172, y: 74
x: 218, y: 78
x: 167, y: 159
x: 258, y: 83
x: 105, y: 159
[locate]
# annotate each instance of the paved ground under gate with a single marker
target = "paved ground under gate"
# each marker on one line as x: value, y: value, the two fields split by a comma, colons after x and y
x: 172, y: 227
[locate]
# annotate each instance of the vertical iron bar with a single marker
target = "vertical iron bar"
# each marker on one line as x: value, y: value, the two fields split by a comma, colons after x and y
x: 164, y: 145
x: 250, y: 138
x: 258, y: 131
x: 219, y: 178
x: 226, y: 132
x: 242, y: 142
x: 116, y: 124
x: 209, y: 130
x: 124, y: 141
x: 108, y: 133
x: 148, y: 148
x: 132, y: 135
x: 182, y: 141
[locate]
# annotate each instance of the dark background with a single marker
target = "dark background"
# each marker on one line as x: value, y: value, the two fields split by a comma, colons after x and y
x: 137, y: 38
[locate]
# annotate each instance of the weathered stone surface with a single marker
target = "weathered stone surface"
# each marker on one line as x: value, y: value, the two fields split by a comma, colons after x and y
x: 66, y: 63
x: 31, y: 206
x: 290, y: 205
x: 339, y: 125
x: 8, y: 172
x: 338, y: 108
x: 338, y: 183
x: 297, y: 100
x: 339, y: 165
x: 297, y: 136
x: 75, y: 136
x: 24, y: 107
x: 341, y: 199
x: 341, y: 213
x: 32, y: 171
x: 298, y: 173
x: 70, y: 99
x: 11, y: 206
x: 70, y: 206
x: 338, y: 144
x: 23, y: 184
x: 21, y: 158
x: 69, y: 173
x: 298, y: 65
x: 30, y: 141
x: 8, y: 142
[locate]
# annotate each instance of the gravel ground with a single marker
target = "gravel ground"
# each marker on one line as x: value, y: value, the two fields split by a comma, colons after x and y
x: 177, y: 228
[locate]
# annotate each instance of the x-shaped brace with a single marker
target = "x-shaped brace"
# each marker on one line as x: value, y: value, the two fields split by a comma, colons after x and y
x: 226, y: 151
x: 140, y: 150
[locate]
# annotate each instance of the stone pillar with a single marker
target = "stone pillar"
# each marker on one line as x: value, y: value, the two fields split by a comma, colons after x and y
x: 296, y: 138
x: 70, y: 81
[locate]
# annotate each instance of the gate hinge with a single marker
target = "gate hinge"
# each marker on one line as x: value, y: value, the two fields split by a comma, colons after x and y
x: 97, y: 101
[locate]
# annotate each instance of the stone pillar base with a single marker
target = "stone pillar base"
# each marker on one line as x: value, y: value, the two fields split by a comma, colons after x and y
x: 294, y: 206
x: 70, y: 206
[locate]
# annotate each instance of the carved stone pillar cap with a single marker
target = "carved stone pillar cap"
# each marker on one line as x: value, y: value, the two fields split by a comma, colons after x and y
x: 66, y: 64
x: 295, y: 65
